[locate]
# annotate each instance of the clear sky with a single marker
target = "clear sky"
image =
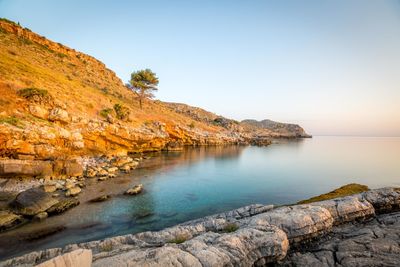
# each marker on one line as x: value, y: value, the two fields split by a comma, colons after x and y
x: 331, y: 66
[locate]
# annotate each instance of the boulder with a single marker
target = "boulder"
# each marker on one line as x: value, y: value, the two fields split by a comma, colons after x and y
x: 63, y: 206
x: 73, y: 168
x: 300, y: 222
x: 49, y: 188
x: 134, y: 190
x: 8, y: 220
x: 58, y: 114
x: 32, y: 202
x: 16, y: 167
x: 74, y: 191
x: 38, y: 111
x: 79, y: 257
x: 347, y: 209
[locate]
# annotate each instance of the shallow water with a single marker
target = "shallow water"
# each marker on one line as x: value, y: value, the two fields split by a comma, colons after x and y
x: 180, y: 186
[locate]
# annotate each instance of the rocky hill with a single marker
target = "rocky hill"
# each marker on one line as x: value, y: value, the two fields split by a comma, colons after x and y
x: 59, y: 105
x: 273, y: 128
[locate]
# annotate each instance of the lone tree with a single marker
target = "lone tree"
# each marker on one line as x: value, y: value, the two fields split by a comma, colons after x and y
x: 144, y: 83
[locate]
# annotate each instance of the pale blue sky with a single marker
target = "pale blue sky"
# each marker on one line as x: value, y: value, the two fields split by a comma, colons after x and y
x: 331, y: 66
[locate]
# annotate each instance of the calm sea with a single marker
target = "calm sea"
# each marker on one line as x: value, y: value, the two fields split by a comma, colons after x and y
x: 181, y: 186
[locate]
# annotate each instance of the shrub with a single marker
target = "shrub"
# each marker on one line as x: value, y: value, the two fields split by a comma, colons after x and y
x: 230, y: 227
x: 29, y: 93
x: 191, y: 125
x: 36, y: 95
x: 179, y: 239
x: 106, y: 247
x: 121, y: 111
x: 10, y: 120
x: 104, y: 112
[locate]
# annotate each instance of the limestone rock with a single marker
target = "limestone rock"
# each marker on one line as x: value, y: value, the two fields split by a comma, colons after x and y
x: 58, y: 114
x: 347, y: 209
x: 38, y: 111
x: 79, y: 257
x: 300, y: 222
x: 73, y: 169
x: 162, y: 257
x: 384, y: 199
x: 40, y: 216
x: 49, y: 188
x: 33, y: 201
x: 12, y: 167
x: 8, y: 220
x: 134, y: 190
x: 100, y: 198
x: 74, y: 191
x: 63, y: 206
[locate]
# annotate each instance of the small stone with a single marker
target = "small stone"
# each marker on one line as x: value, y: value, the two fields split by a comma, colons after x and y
x: 103, y: 178
x: 134, y: 190
x: 8, y: 220
x: 102, y: 172
x: 74, y: 191
x: 49, y: 188
x: 40, y: 216
x: 100, y: 198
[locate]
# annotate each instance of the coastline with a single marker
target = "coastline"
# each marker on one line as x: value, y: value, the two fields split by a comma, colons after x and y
x: 266, y: 233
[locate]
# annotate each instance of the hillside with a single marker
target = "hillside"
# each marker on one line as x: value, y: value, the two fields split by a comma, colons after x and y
x: 61, y: 104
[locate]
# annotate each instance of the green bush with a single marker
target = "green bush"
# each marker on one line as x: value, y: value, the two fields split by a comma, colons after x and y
x: 121, y: 111
x: 104, y: 112
x: 191, y: 125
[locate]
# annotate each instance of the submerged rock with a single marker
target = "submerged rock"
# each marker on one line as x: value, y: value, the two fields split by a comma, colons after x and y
x: 100, y: 198
x: 63, y: 206
x: 32, y: 202
x: 134, y: 190
x: 9, y: 220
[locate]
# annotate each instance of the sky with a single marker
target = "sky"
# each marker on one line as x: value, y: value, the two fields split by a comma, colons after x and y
x: 331, y: 66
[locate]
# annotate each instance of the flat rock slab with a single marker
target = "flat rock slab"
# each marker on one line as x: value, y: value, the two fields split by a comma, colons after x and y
x: 33, y: 201
x: 76, y: 258
x: 373, y: 243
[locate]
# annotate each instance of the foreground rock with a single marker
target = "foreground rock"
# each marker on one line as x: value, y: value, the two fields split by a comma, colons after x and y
x: 32, y: 202
x: 79, y: 257
x: 261, y: 236
x: 374, y: 243
x: 9, y: 220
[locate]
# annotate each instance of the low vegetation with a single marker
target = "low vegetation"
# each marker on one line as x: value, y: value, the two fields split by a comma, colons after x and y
x: 121, y: 111
x: 29, y: 93
x: 346, y: 190
x: 230, y: 227
x: 105, y: 112
x: 11, y: 120
x: 179, y: 239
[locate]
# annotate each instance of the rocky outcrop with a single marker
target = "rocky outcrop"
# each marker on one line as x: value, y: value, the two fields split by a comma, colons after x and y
x: 275, y: 129
x: 79, y: 257
x: 32, y: 202
x: 261, y: 235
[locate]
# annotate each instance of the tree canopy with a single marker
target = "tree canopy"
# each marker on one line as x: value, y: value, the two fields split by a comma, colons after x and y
x: 144, y: 83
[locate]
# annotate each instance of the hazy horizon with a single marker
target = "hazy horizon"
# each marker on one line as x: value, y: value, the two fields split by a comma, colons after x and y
x: 332, y: 67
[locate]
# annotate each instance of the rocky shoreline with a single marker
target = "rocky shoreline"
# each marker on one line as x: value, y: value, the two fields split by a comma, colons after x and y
x: 326, y: 233
x: 36, y: 199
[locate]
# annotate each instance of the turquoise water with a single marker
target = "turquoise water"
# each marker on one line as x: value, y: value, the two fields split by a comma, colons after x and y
x: 180, y: 186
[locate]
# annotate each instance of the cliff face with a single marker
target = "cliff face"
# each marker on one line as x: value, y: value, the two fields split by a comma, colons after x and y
x: 60, y: 104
